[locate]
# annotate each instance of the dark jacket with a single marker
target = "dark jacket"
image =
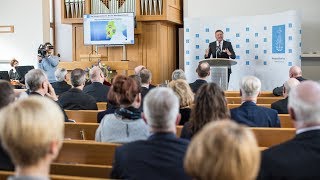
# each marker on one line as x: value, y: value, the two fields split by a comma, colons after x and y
x: 98, y: 91
x: 159, y: 157
x: 281, y: 106
x: 185, y: 115
x: 5, y: 161
x: 75, y: 99
x: 197, y: 84
x: 186, y: 132
x: 296, y: 159
x: 110, y: 110
x: 278, y: 91
x: 144, y: 92
x: 61, y: 87
x: 255, y: 116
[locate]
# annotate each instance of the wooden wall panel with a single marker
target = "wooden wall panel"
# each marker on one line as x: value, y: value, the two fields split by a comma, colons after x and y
x: 78, y: 42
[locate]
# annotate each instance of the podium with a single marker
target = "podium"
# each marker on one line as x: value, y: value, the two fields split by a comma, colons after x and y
x: 219, y: 70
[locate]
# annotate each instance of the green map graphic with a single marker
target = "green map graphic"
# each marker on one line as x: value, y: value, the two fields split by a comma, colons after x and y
x: 111, y: 29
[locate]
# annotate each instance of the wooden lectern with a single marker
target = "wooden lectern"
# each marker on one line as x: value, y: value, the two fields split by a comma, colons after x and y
x: 219, y: 70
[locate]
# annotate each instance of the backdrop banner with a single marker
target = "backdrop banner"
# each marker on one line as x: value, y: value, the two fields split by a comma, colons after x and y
x: 266, y: 46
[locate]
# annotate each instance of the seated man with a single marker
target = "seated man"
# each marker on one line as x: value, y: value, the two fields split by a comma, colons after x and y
x: 75, y: 98
x: 203, y: 71
x: 32, y: 136
x: 299, y: 157
x: 61, y: 85
x: 6, y: 97
x: 96, y: 89
x: 178, y: 74
x: 282, y: 105
x: 161, y: 155
x: 294, y: 72
x: 249, y: 113
x: 38, y: 85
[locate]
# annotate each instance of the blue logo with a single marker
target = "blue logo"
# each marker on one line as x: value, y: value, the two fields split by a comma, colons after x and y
x: 227, y: 29
x: 256, y: 57
x: 289, y: 63
x: 264, y: 62
x: 247, y: 52
x: 207, y: 29
x: 197, y: 57
x: 187, y: 63
x: 247, y: 62
x: 197, y: 46
x: 237, y: 35
x: 247, y: 29
x: 278, y: 39
x: 197, y: 35
x: 237, y: 46
x: 207, y: 40
x: 187, y: 30
x: 187, y: 41
x: 264, y: 39
x: 256, y: 34
x: 290, y: 25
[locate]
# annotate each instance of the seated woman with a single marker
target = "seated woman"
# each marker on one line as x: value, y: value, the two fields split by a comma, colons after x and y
x: 186, y: 97
x: 125, y: 124
x: 210, y: 105
x: 223, y: 150
x: 13, y: 74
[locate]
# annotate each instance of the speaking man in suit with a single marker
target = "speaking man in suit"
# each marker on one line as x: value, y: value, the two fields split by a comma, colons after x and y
x: 161, y: 155
x: 299, y: 157
x: 220, y: 49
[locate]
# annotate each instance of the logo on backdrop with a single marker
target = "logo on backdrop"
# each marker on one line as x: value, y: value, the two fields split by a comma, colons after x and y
x: 278, y: 39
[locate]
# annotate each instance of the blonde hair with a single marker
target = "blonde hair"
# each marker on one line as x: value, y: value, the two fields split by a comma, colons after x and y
x: 223, y: 150
x: 28, y: 127
x: 183, y: 91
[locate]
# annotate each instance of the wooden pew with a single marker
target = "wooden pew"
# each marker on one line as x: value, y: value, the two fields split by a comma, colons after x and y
x: 86, y: 152
x: 266, y: 137
x: 80, y: 116
x: 260, y: 100
x: 6, y: 174
x: 102, y: 105
x: 285, y: 121
x: 231, y: 106
x: 80, y: 131
x: 237, y: 94
x: 83, y: 170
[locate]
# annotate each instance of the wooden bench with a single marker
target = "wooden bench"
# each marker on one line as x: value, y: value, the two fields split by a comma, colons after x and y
x: 102, y: 105
x: 6, y: 174
x: 81, y: 116
x: 86, y: 152
x: 286, y: 121
x: 231, y: 106
x: 260, y: 100
x: 80, y: 131
x: 266, y: 137
x: 237, y: 94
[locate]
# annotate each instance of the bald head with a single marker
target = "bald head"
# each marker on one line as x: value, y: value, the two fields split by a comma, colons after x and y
x: 96, y: 75
x: 203, y: 69
x: 295, y: 71
x: 290, y: 84
x: 304, y: 102
x: 138, y: 69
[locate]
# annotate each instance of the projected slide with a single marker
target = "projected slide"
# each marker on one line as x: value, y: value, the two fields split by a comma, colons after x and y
x: 109, y: 29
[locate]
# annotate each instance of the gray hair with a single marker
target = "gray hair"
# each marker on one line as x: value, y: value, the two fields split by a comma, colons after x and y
x: 250, y: 86
x: 145, y: 76
x: 161, y: 113
x: 78, y: 77
x: 34, y: 79
x: 305, y: 102
x: 291, y: 83
x: 94, y: 73
x: 60, y: 74
x: 178, y: 74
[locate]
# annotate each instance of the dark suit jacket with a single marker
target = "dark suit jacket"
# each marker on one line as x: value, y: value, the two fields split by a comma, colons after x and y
x: 61, y: 87
x: 295, y: 159
x: 281, y: 106
x: 197, y: 84
x: 110, y: 110
x: 185, y: 115
x: 144, y: 92
x: 159, y: 157
x: 255, y: 116
x: 278, y: 91
x: 75, y: 99
x: 5, y: 161
x: 98, y: 91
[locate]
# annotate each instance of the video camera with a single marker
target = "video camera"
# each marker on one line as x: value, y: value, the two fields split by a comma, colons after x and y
x: 43, y: 49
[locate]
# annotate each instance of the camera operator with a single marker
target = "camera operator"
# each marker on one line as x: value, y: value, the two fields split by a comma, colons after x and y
x: 47, y: 61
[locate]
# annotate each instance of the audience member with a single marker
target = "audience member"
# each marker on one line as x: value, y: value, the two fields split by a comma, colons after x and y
x: 32, y: 136
x: 48, y: 62
x: 61, y: 85
x: 223, y: 150
x: 203, y: 71
x: 299, y: 157
x: 96, y: 89
x: 75, y: 98
x: 294, y: 72
x: 125, y: 124
x: 161, y: 156
x: 209, y: 105
x: 6, y: 97
x: 249, y: 113
x: 138, y: 69
x: 178, y: 74
x: 146, y: 85
x: 282, y: 105
x: 186, y: 97
x: 13, y: 74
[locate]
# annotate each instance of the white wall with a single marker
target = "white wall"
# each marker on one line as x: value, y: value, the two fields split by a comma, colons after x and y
x: 308, y: 8
x: 63, y: 35
x: 31, y: 26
